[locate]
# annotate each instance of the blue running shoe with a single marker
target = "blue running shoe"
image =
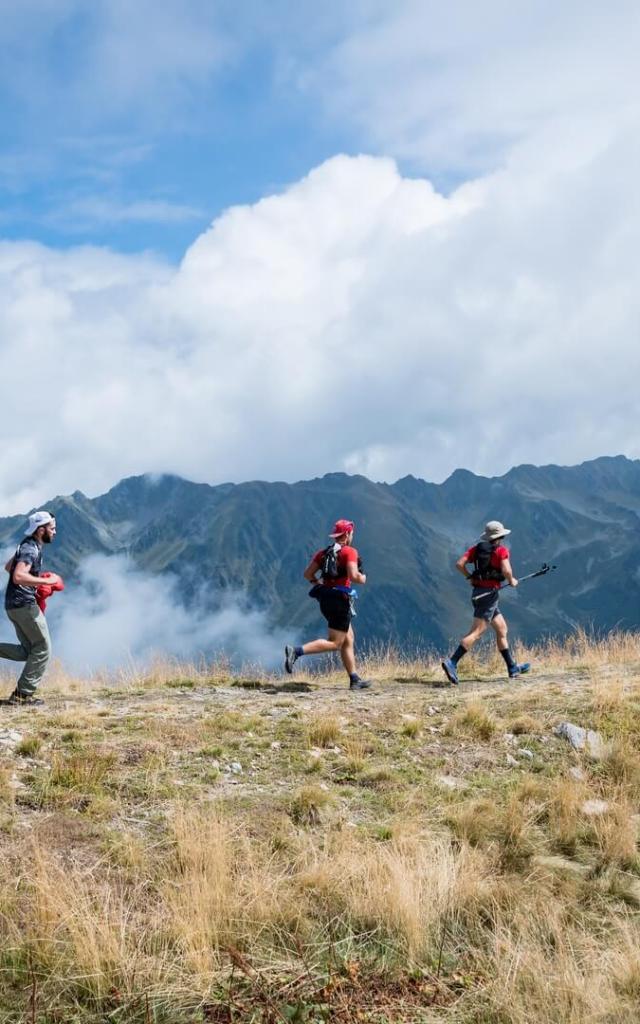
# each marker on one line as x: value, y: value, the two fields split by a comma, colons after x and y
x: 290, y: 658
x: 450, y: 671
x: 519, y: 670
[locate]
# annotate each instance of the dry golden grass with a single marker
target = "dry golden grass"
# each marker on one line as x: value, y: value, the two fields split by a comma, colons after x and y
x: 473, y: 720
x: 158, y: 851
x: 323, y: 730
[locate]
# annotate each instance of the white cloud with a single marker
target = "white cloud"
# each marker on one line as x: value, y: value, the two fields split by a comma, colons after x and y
x: 358, y: 321
x: 119, y: 615
x: 81, y: 213
x: 61, y: 58
x: 457, y: 87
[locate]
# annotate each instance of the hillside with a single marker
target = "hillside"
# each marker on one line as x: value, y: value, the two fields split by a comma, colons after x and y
x: 191, y: 847
x: 257, y: 537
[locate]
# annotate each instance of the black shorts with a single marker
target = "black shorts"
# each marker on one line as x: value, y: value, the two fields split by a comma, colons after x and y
x: 336, y: 608
x: 486, y: 605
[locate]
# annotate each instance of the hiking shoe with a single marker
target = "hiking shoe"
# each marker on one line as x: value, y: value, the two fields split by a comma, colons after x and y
x: 290, y: 658
x: 359, y: 684
x: 519, y: 670
x: 450, y: 671
x: 23, y: 699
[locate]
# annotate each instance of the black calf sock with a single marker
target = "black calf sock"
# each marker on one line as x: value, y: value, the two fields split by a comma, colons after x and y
x: 508, y: 657
x: 459, y: 653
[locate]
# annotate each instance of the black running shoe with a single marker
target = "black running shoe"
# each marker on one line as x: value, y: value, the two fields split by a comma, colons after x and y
x: 290, y: 658
x: 25, y: 700
x: 359, y: 684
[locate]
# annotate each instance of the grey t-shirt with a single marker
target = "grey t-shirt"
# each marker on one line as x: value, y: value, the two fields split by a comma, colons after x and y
x: 30, y: 552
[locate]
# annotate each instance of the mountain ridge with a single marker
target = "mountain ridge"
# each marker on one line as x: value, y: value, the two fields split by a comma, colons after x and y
x: 256, y: 537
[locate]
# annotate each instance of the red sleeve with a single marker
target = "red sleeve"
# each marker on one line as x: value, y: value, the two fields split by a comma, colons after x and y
x: 469, y: 556
x: 319, y: 555
x: 348, y: 554
x: 502, y: 552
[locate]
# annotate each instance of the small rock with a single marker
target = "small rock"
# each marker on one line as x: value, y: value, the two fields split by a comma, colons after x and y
x: 235, y: 768
x: 9, y: 738
x: 594, y: 808
x: 561, y: 865
x: 276, y: 745
x: 449, y: 782
x: 525, y: 752
x: 434, y: 729
x: 432, y: 711
x: 512, y: 761
x: 336, y: 750
x: 509, y: 737
x: 323, y: 785
x: 583, y: 739
x: 577, y: 773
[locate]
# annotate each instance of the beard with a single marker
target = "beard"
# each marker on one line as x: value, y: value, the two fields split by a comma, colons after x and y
x: 46, y: 539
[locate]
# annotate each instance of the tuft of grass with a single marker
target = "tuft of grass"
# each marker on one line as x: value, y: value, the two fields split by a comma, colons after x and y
x: 511, y: 829
x: 472, y: 720
x: 323, y: 731
x: 379, y: 777
x: 29, y: 746
x: 616, y: 836
x: 525, y: 725
x: 411, y: 728
x: 307, y: 804
x: 180, y: 683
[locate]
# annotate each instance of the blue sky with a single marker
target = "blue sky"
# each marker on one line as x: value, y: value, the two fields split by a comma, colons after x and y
x: 209, y: 210
x: 96, y: 149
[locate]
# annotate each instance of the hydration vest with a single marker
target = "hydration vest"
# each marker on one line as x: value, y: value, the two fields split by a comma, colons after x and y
x: 483, y: 570
x: 329, y: 567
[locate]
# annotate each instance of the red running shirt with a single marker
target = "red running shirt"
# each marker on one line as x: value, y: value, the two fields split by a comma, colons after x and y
x: 498, y: 555
x: 345, y: 555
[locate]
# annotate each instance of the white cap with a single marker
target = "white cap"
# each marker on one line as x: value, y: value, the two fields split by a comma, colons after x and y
x: 37, y: 519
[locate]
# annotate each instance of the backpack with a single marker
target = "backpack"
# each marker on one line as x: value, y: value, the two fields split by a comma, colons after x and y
x: 483, y: 569
x: 329, y: 566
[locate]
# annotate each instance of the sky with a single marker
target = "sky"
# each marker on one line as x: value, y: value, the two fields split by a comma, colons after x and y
x: 272, y: 241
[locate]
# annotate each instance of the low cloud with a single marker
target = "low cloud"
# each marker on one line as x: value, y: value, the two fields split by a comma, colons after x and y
x: 119, y: 615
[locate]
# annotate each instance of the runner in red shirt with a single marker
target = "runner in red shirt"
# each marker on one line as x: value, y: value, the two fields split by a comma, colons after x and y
x: 492, y: 567
x: 332, y: 573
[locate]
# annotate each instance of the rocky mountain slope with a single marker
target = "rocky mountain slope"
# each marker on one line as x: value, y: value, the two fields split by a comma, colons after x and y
x: 256, y: 538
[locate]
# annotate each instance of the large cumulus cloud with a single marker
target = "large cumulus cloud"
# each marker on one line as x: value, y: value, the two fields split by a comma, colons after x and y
x: 358, y: 321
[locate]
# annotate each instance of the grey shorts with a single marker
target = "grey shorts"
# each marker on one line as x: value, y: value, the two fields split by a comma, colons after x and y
x: 487, y: 604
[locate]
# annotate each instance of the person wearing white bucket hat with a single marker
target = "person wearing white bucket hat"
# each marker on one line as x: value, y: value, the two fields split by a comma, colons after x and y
x: 29, y: 622
x: 491, y: 567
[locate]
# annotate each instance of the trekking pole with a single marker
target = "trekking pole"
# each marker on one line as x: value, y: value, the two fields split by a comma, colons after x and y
x: 542, y: 571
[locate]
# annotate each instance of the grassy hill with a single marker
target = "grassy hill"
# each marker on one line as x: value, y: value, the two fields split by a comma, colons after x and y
x: 187, y: 846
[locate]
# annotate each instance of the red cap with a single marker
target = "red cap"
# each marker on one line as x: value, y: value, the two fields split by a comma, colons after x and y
x: 341, y: 526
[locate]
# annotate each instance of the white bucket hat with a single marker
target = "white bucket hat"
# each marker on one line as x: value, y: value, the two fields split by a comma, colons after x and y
x: 37, y: 519
x: 494, y: 531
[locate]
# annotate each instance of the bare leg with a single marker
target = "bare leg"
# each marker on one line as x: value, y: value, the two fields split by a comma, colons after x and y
x: 478, y: 627
x: 347, y: 652
x: 499, y: 626
x: 334, y: 643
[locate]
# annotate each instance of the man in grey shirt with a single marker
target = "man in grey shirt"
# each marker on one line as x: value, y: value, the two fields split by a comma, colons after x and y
x: 34, y: 647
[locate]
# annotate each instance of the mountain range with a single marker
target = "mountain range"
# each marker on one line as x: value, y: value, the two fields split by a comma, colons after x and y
x: 256, y: 538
